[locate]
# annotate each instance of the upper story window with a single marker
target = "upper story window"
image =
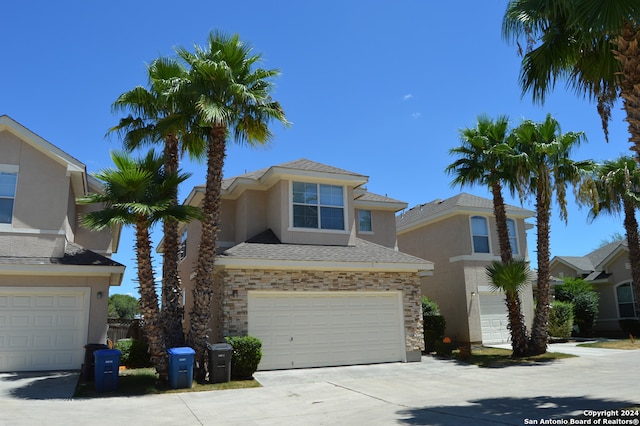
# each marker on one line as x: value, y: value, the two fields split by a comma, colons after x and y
x: 182, y: 248
x: 318, y: 206
x: 364, y: 221
x: 513, y: 239
x: 480, y: 233
x: 624, y: 294
x: 8, y: 181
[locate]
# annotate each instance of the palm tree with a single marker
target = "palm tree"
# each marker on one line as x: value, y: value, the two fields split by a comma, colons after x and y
x: 592, y: 44
x: 231, y: 96
x: 510, y: 277
x: 155, y: 118
x: 544, y: 168
x: 140, y: 193
x: 481, y: 161
x: 618, y: 191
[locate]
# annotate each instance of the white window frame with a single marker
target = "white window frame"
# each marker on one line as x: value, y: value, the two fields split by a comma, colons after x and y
x: 488, y: 236
x: 319, y: 228
x: 633, y: 304
x: 370, y: 231
x: 10, y: 169
x: 513, y: 239
x: 182, y: 245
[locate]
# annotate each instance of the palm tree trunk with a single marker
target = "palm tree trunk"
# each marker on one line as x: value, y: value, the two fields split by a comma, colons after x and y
x: 500, y: 214
x: 627, y: 52
x: 517, y: 325
x: 171, y: 288
x: 633, y: 242
x: 540, y: 327
x: 204, y: 284
x: 152, y: 325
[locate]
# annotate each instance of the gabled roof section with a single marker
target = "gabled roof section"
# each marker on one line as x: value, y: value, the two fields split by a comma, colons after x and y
x: 462, y: 203
x: 75, y: 168
x: 263, y: 179
x: 595, y: 261
x: 366, y: 199
x: 362, y: 255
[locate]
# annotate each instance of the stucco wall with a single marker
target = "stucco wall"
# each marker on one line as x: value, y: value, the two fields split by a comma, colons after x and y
x: 237, y: 284
x: 383, y: 224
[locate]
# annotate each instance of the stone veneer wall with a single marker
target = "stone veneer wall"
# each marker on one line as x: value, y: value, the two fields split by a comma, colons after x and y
x: 237, y: 283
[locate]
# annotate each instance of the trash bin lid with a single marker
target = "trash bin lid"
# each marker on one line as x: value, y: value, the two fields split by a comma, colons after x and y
x: 107, y: 352
x: 219, y: 347
x: 181, y: 351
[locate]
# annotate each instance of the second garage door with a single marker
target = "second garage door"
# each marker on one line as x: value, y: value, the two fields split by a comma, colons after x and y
x: 316, y: 329
x: 43, y: 328
x: 494, y: 318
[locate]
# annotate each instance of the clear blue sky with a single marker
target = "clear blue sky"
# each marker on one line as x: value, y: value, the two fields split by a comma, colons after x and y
x: 377, y: 87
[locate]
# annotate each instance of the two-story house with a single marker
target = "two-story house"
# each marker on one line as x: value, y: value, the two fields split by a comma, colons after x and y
x: 309, y: 266
x: 54, y: 275
x: 608, y: 269
x: 459, y: 235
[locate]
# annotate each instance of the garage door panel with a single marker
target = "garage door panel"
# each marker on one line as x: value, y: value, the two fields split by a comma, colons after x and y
x: 43, y: 328
x: 494, y: 320
x: 326, y: 328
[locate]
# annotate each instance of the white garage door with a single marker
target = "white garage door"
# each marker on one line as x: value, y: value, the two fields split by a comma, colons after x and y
x: 315, y: 329
x: 42, y: 328
x: 493, y: 318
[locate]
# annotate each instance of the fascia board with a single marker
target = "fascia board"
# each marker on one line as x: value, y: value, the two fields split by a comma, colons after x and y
x: 58, y: 270
x: 323, y: 266
x: 380, y: 205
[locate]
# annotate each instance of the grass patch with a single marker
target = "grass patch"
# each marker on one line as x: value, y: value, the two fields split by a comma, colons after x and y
x: 144, y: 381
x: 627, y: 344
x: 496, y: 357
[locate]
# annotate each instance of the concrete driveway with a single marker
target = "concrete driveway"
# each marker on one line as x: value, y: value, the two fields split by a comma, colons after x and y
x: 433, y: 392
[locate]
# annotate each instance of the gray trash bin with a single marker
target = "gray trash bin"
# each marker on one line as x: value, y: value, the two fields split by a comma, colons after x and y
x: 219, y: 362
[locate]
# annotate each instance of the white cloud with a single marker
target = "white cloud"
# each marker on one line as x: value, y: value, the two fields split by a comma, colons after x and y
x: 407, y: 96
x: 416, y: 114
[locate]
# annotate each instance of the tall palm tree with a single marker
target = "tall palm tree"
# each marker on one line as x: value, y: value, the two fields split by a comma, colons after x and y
x: 510, y: 277
x: 481, y: 161
x: 618, y: 192
x: 592, y: 44
x: 544, y: 169
x: 232, y: 98
x: 139, y: 193
x: 155, y: 118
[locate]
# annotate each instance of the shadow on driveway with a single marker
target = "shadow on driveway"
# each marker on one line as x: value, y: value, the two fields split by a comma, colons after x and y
x: 513, y: 411
x: 39, y: 384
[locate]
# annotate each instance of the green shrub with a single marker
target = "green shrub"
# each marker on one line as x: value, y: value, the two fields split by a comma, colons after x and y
x: 134, y: 353
x: 434, y: 324
x: 247, y: 353
x: 560, y: 319
x: 585, y: 303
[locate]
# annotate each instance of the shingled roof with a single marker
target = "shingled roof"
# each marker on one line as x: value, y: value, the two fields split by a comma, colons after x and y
x: 461, y: 202
x: 592, y: 261
x: 361, y: 252
x: 74, y: 255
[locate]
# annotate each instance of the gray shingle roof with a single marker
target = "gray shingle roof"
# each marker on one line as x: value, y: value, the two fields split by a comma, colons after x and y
x: 460, y: 201
x: 370, y: 196
x: 361, y: 251
x: 74, y: 255
x: 592, y: 261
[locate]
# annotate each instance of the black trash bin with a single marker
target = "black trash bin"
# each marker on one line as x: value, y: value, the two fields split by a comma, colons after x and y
x: 219, y: 362
x: 89, y: 366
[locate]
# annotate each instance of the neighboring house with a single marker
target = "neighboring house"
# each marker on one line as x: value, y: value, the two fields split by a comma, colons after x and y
x: 608, y: 269
x: 309, y: 266
x: 459, y: 235
x: 54, y: 275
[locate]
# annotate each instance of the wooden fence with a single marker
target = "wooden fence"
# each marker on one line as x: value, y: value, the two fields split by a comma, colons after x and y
x: 123, y: 329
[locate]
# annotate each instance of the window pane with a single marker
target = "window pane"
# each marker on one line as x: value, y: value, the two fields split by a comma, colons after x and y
x: 625, y: 294
x: 305, y: 216
x: 627, y: 310
x: 8, y: 184
x: 364, y: 220
x: 332, y: 218
x: 331, y: 195
x: 513, y: 241
x: 305, y: 193
x: 6, y: 210
x: 479, y: 226
x: 480, y: 244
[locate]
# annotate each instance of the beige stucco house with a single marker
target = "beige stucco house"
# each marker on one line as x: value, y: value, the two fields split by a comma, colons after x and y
x: 309, y: 266
x: 608, y: 269
x: 54, y: 275
x: 459, y: 235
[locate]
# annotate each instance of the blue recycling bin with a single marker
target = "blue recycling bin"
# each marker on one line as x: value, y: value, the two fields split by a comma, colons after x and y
x: 107, y: 364
x: 181, y: 367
